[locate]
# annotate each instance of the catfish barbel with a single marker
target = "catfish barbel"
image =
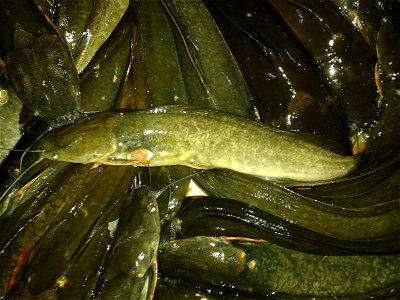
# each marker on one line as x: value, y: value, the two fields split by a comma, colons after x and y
x: 198, y: 138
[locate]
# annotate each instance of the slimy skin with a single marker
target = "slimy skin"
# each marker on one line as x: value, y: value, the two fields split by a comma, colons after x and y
x: 198, y: 138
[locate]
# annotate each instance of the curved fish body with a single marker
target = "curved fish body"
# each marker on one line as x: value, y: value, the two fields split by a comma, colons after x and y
x: 266, y: 269
x: 205, y: 139
x: 131, y: 269
x: 374, y: 222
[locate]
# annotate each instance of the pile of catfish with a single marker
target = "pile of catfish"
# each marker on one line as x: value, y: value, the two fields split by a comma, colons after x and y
x: 328, y: 71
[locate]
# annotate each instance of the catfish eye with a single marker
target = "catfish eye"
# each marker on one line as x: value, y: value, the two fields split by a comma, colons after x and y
x: 55, y: 155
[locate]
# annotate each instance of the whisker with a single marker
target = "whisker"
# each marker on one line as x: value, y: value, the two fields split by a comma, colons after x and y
x: 17, y: 180
x: 29, y: 147
x: 20, y: 150
x: 162, y: 190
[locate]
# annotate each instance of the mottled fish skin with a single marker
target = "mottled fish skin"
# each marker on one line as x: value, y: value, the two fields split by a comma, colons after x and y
x: 264, y: 269
x: 179, y: 135
x: 131, y: 269
x: 44, y: 76
x: 38, y: 63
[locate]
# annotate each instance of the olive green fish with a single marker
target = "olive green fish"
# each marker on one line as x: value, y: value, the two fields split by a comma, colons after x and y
x: 204, y: 139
